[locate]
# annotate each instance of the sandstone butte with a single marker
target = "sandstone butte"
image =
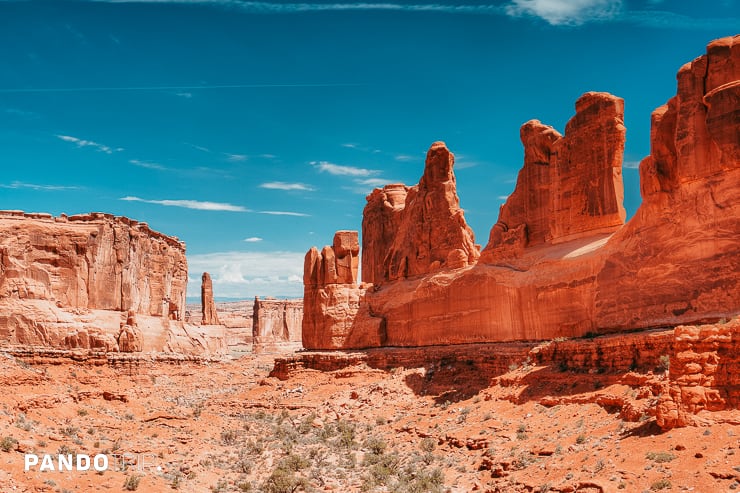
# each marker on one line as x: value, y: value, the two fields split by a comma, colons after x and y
x: 560, y: 261
x: 276, y: 325
x: 94, y: 281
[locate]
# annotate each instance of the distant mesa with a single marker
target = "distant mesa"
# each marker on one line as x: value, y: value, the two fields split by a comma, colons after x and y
x: 94, y: 281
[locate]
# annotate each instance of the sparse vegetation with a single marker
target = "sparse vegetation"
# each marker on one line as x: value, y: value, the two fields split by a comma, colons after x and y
x: 132, y: 482
x: 8, y: 443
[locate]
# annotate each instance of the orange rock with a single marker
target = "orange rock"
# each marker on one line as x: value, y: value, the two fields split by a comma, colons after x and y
x: 432, y: 224
x: 570, y: 186
x: 558, y: 264
x: 208, y: 306
x: 381, y: 220
x: 276, y: 324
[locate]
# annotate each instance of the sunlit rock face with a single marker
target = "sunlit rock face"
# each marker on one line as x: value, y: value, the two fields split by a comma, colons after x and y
x: 559, y: 261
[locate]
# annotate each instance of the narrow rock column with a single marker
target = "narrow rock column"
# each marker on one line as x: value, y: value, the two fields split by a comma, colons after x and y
x: 210, y: 317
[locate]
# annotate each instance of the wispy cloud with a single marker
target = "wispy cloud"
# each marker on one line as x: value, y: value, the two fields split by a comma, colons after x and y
x: 281, y: 185
x: 284, y: 213
x: 631, y: 164
x: 186, y: 95
x: 288, y: 8
x: 89, y: 143
x: 502, y: 197
x: 35, y: 186
x: 191, y: 204
x: 339, y: 170
x: 286, y: 85
x: 566, y: 12
x: 26, y: 115
x: 236, y: 158
x: 374, y: 182
x: 404, y: 158
x: 197, y: 147
x: 253, y: 239
x: 244, y: 275
x: 147, y: 165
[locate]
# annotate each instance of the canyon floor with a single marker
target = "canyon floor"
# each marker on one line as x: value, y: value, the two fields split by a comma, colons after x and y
x: 230, y: 426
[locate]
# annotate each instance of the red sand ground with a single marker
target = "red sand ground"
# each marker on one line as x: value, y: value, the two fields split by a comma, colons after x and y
x: 230, y: 427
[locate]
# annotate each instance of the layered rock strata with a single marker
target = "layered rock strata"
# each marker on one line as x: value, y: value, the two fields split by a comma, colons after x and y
x: 93, y: 281
x: 558, y: 264
x: 332, y: 298
x: 276, y: 324
x: 208, y: 305
x: 704, y: 375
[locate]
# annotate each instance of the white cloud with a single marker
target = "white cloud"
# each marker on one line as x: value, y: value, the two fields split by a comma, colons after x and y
x: 502, y: 197
x: 339, y: 170
x: 147, y: 165
x: 284, y: 213
x: 631, y: 164
x: 89, y: 143
x: 191, y: 204
x: 34, y: 186
x: 281, y: 185
x: 350, y: 146
x: 253, y: 239
x: 374, y: 182
x: 186, y: 95
x: 236, y: 158
x: 268, y: 156
x: 404, y: 158
x: 566, y: 12
x: 244, y: 275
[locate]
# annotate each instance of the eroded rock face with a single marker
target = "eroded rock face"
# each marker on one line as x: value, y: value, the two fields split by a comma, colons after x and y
x: 276, y: 324
x: 570, y: 186
x: 432, y: 233
x: 704, y: 374
x: 210, y: 316
x: 332, y: 298
x: 558, y: 263
x: 93, y: 281
x: 94, y: 261
x: 381, y: 221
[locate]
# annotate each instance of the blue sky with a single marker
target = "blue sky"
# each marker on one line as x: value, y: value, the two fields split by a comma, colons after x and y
x: 253, y: 130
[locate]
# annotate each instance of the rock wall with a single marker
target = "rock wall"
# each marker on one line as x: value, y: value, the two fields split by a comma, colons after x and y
x: 331, y: 302
x: 91, y: 261
x: 381, y: 221
x: 558, y: 263
x: 704, y: 374
x: 570, y: 186
x: 94, y: 281
x: 276, y: 324
x: 208, y: 306
x: 432, y: 233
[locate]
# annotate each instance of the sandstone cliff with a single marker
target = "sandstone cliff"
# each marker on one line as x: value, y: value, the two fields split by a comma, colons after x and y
x: 570, y: 187
x: 558, y: 263
x: 431, y: 232
x: 276, y: 324
x: 81, y: 281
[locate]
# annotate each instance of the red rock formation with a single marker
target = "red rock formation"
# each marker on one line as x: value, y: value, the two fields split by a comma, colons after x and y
x: 130, y: 339
x: 276, y: 324
x: 432, y: 233
x: 555, y: 267
x: 332, y: 297
x: 90, y: 261
x: 381, y: 221
x: 70, y: 282
x: 704, y: 374
x: 570, y: 186
x: 208, y: 306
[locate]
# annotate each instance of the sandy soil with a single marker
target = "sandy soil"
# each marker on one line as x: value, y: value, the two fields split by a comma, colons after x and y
x: 231, y: 427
